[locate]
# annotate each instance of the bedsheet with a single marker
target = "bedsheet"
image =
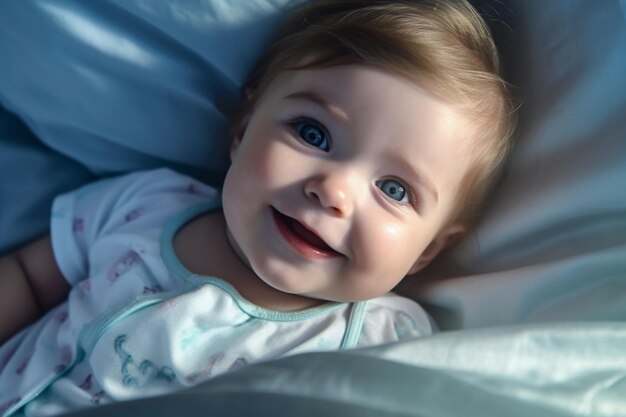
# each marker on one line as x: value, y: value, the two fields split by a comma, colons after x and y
x: 539, y: 370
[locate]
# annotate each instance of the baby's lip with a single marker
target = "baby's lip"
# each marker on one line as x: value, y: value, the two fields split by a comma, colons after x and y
x: 302, y: 237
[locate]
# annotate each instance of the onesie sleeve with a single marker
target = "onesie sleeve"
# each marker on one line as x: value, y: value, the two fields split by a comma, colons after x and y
x: 81, y: 218
x: 390, y: 318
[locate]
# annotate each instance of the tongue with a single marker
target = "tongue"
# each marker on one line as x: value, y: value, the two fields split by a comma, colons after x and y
x: 306, y: 235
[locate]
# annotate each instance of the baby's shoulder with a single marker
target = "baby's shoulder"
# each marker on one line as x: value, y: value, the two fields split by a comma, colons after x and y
x: 391, y: 317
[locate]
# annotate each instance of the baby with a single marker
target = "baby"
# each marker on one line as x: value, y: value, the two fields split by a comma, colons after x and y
x: 370, y: 134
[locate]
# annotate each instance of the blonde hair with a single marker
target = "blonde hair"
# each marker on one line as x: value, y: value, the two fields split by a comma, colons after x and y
x: 443, y: 45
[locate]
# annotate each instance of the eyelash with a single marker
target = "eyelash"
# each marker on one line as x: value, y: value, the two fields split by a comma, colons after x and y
x: 412, y: 198
x: 300, y: 120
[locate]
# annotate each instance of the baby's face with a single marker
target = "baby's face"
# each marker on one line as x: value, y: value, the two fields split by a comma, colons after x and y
x: 343, y: 181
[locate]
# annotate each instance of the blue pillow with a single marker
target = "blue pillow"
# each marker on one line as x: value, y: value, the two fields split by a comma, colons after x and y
x: 113, y: 86
x: 121, y: 85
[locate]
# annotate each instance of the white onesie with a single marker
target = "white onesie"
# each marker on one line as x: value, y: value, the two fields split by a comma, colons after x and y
x: 137, y: 323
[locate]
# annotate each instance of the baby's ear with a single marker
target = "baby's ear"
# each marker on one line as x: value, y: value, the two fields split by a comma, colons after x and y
x: 237, y: 133
x: 444, y: 239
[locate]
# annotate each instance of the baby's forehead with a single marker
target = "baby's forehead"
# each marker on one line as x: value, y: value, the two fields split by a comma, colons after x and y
x: 343, y: 82
x: 376, y: 92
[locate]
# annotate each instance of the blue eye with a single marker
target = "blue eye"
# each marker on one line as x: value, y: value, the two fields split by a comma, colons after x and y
x: 394, y: 190
x: 313, y: 134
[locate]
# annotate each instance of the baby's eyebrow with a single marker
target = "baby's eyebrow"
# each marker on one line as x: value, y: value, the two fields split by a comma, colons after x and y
x: 331, y: 108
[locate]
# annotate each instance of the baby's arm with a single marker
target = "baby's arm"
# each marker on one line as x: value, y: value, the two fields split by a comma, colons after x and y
x: 30, y: 285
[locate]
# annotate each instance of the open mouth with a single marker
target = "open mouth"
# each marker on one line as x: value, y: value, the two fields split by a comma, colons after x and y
x: 303, y: 240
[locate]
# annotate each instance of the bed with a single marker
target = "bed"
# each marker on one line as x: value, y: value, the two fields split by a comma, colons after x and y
x: 531, y: 306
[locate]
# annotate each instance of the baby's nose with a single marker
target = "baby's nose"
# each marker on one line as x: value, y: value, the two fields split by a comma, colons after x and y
x: 331, y: 192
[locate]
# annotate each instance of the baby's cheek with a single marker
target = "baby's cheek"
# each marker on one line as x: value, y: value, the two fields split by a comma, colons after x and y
x: 396, y: 246
x: 249, y: 169
x: 392, y: 232
x: 370, y: 243
x: 275, y: 164
x: 263, y: 166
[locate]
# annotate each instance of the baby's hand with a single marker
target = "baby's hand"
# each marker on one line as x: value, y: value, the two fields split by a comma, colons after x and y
x: 30, y: 285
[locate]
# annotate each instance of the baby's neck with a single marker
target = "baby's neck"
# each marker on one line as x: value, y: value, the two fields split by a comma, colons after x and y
x: 203, y: 248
